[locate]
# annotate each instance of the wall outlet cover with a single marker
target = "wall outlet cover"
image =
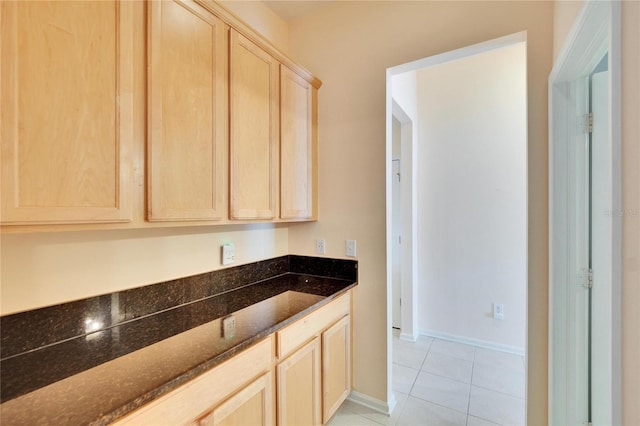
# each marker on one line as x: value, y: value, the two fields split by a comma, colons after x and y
x: 498, y: 311
x: 229, y: 327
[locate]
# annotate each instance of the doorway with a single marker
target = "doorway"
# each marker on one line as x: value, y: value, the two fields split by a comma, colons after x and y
x: 585, y: 232
x: 417, y: 165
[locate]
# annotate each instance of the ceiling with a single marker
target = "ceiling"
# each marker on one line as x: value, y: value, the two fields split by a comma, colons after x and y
x: 292, y: 9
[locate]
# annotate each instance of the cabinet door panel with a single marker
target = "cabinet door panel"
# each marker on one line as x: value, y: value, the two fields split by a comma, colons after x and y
x: 254, y: 130
x: 336, y: 366
x: 299, y: 387
x: 252, y: 406
x: 188, y: 112
x: 67, y: 105
x: 297, y: 147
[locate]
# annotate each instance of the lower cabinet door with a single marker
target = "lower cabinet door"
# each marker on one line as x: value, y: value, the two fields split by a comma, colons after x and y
x: 336, y: 366
x: 252, y: 406
x: 299, y: 387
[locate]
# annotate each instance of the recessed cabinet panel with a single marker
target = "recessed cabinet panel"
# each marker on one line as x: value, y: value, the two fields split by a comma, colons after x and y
x: 67, y: 111
x: 336, y: 366
x: 254, y: 130
x: 297, y: 147
x: 299, y: 387
x: 188, y: 112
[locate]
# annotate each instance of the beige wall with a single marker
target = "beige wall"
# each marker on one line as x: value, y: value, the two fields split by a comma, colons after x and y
x: 349, y: 45
x: 262, y: 19
x: 43, y: 269
x: 631, y: 209
x: 566, y: 12
x: 564, y: 15
x: 46, y: 269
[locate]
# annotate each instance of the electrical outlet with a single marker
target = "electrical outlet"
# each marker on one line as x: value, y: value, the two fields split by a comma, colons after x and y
x: 350, y: 248
x: 498, y: 311
x: 228, y: 254
x: 228, y: 327
x: 320, y: 247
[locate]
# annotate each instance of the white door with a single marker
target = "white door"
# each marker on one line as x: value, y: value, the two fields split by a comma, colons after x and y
x: 601, y: 252
x: 578, y: 296
x: 396, y: 255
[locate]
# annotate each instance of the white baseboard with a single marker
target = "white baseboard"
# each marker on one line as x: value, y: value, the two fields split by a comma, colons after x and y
x: 408, y: 337
x: 373, y: 403
x: 474, y: 342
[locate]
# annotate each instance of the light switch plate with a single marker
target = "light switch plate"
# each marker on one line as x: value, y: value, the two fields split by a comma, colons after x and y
x: 351, y: 248
x: 228, y: 254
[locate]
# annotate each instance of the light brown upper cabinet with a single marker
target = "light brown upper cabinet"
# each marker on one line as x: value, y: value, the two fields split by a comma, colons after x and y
x: 254, y: 81
x: 67, y: 111
x: 187, y: 104
x: 298, y: 146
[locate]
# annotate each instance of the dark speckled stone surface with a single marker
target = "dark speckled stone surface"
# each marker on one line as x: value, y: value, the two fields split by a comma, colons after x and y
x: 52, y: 346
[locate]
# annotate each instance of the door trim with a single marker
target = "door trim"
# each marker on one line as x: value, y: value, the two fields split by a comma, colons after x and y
x: 595, y: 32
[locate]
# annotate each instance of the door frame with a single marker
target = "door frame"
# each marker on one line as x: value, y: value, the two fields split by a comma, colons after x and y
x: 595, y: 32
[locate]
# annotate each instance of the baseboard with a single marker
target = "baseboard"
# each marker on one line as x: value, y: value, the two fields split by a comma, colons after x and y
x: 373, y: 403
x: 408, y: 337
x: 474, y: 342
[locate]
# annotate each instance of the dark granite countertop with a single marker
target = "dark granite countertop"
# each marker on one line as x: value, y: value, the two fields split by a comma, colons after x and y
x: 99, y: 376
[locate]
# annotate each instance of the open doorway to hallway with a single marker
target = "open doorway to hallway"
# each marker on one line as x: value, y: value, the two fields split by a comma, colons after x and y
x: 460, y: 218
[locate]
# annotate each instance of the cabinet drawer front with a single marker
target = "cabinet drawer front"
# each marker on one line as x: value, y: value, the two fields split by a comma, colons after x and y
x: 185, y: 404
x: 253, y: 405
x: 312, y: 325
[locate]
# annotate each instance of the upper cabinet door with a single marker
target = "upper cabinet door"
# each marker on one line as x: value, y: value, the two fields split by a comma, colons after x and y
x: 254, y: 130
x: 67, y: 111
x: 187, y: 103
x: 298, y: 158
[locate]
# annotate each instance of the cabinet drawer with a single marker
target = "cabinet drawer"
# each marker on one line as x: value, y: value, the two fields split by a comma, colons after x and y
x: 312, y: 325
x: 185, y: 404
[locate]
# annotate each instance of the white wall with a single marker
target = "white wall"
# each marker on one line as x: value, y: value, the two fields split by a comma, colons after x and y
x: 472, y: 217
x: 349, y: 45
x: 405, y: 92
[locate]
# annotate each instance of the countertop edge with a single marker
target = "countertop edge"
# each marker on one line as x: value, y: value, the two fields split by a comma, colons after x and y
x: 191, y: 374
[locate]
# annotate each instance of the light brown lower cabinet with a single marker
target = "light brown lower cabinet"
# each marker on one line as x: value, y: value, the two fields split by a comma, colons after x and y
x: 225, y: 395
x: 336, y: 366
x: 299, y: 386
x: 302, y: 373
x: 323, y: 335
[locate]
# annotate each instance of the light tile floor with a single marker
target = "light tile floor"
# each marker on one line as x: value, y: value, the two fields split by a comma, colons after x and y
x: 437, y: 382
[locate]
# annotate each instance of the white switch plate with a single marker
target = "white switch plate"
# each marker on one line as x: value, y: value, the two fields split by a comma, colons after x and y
x: 321, y: 247
x: 498, y: 311
x: 228, y: 327
x: 351, y: 248
x: 228, y: 254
